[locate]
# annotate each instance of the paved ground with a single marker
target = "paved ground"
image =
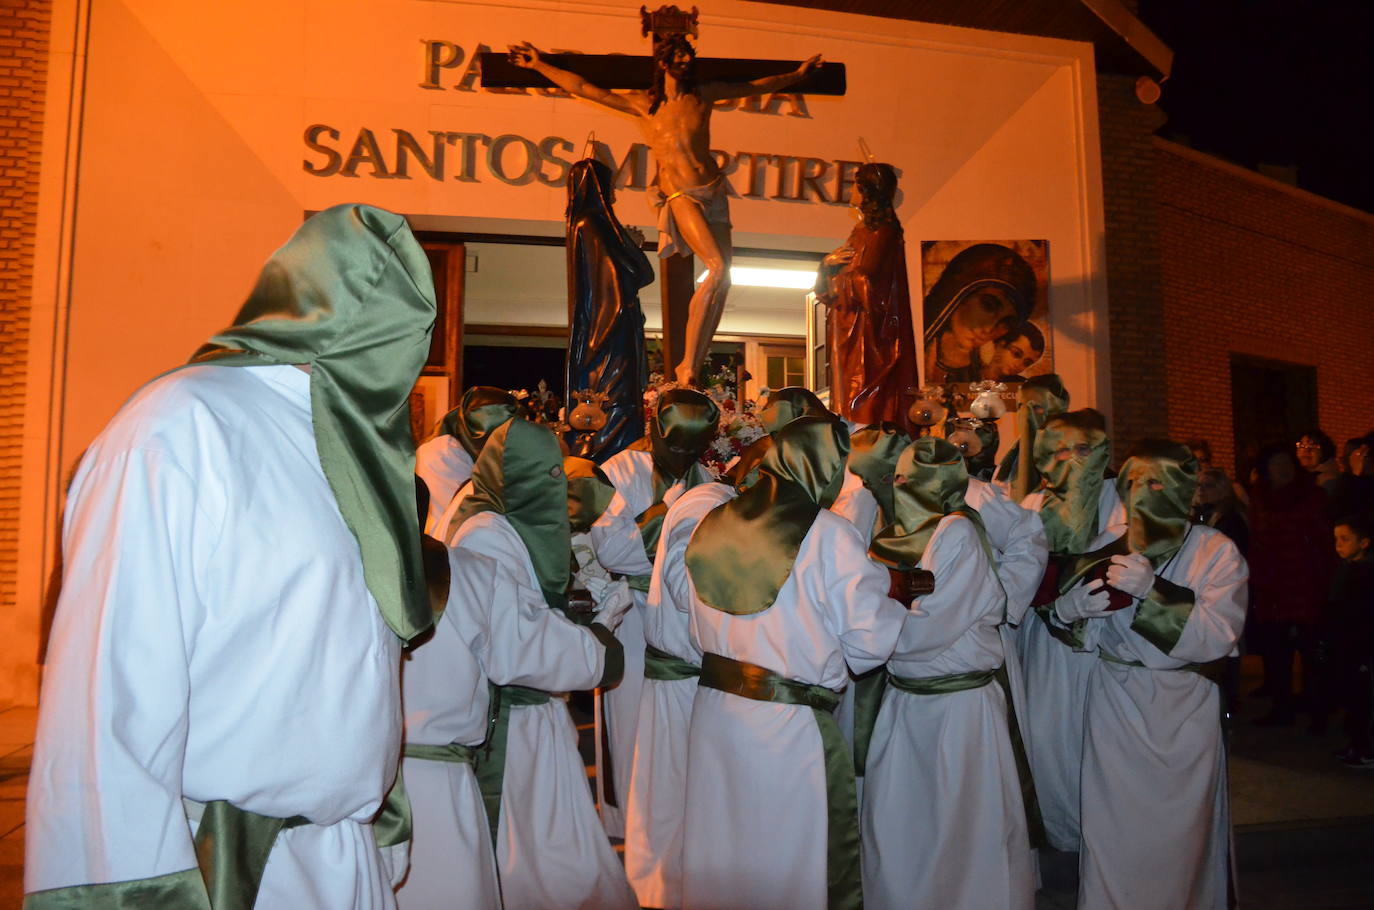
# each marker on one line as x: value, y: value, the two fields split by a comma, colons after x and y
x: 1304, y: 824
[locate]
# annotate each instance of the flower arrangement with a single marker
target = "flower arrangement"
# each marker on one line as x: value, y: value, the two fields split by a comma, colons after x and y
x: 739, y: 423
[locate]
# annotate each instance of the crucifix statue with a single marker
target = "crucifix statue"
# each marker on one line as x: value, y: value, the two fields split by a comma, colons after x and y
x: 674, y: 114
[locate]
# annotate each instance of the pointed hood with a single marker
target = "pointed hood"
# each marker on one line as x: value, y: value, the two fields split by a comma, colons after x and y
x: 1071, y: 455
x: 351, y: 295
x: 483, y: 409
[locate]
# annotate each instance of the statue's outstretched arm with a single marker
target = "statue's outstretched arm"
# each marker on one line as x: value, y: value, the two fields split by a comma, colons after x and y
x: 530, y: 57
x: 720, y: 91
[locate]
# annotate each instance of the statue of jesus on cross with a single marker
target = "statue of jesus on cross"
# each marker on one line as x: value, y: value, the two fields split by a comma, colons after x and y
x: 675, y: 116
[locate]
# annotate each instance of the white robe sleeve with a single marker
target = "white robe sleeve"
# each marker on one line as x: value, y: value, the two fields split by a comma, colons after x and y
x: 956, y: 558
x: 105, y: 795
x: 866, y: 621
x: 1219, y: 580
x: 1018, y: 535
x: 517, y: 638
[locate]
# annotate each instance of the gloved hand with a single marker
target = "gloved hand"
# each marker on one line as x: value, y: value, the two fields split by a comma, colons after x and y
x: 396, y: 861
x: 613, y: 600
x: 1087, y: 601
x: 1131, y: 573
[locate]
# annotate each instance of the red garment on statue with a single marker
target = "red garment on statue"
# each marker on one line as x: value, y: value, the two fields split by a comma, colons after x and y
x: 872, y: 343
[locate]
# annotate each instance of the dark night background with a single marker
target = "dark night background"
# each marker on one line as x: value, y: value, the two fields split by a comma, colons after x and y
x: 1274, y: 82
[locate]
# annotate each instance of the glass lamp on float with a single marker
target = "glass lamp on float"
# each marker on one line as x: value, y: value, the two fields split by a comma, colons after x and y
x: 962, y: 433
x: 988, y: 400
x: 928, y: 410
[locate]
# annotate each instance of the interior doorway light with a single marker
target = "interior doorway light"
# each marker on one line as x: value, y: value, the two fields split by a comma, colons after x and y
x: 756, y: 277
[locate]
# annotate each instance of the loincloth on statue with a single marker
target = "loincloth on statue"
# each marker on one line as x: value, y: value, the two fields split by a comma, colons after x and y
x: 714, y: 200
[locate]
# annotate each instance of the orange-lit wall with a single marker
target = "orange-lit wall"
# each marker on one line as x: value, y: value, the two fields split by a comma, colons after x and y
x: 188, y: 163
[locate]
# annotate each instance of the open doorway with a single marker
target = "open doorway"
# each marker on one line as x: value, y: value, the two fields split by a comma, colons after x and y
x: 1271, y: 401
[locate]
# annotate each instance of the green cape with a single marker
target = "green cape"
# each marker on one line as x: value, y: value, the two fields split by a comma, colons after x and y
x: 743, y: 551
x: 482, y: 410
x: 930, y: 484
x: 1071, y: 454
x: 351, y: 295
x: 520, y: 475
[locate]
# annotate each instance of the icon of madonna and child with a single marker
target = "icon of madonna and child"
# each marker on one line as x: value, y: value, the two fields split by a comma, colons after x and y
x: 985, y: 310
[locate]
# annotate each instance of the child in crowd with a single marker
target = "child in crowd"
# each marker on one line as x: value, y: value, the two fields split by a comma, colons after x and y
x: 1350, y: 635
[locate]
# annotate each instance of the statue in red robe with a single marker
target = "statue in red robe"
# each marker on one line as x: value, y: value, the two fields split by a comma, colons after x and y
x: 870, y: 335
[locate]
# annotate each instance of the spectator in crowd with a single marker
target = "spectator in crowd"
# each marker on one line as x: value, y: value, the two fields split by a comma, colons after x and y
x: 1355, y: 490
x: 1348, y: 642
x: 1217, y: 507
x: 1202, y: 451
x: 1317, y: 455
x: 1290, y: 572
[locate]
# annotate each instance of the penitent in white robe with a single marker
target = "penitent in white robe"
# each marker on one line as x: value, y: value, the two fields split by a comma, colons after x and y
x: 444, y: 465
x: 943, y: 821
x: 1156, y: 822
x: 658, y: 779
x: 619, y: 548
x: 498, y: 629
x: 551, y: 850
x: 756, y: 797
x: 1017, y: 537
x: 1056, y: 681
x: 858, y: 506
x: 214, y: 640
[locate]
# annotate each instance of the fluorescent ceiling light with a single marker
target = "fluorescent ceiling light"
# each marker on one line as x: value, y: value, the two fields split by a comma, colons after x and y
x: 753, y: 277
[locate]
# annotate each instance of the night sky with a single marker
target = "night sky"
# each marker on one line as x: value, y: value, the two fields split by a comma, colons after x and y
x: 1279, y: 82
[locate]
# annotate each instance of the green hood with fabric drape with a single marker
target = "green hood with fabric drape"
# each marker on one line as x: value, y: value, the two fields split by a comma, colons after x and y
x: 482, y: 409
x: 930, y: 484
x: 520, y: 475
x: 1071, y: 454
x: 1156, y: 485
x: 873, y: 455
x: 1038, y: 399
x: 351, y: 295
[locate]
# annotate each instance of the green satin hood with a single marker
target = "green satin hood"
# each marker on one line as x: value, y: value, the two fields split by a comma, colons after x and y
x: 873, y: 455
x: 930, y: 484
x: 681, y: 430
x: 589, y: 492
x: 520, y: 475
x: 1038, y: 399
x: 744, y: 473
x: 351, y: 295
x: 483, y: 409
x: 786, y: 405
x: 742, y: 552
x: 1071, y: 454
x: 1157, y: 519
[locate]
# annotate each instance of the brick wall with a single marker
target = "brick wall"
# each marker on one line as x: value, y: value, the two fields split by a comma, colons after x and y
x: 24, y: 31
x: 1134, y: 306
x: 1251, y: 266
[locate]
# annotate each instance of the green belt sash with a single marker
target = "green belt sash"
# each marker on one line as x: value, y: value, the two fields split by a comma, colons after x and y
x: 232, y: 846
x: 665, y: 667
x: 868, y: 698
x: 456, y: 753
x: 844, y: 885
x: 1210, y: 671
x: 962, y: 682
x: 491, y: 755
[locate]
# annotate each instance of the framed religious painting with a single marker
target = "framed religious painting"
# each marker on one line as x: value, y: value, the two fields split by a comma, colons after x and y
x: 985, y: 310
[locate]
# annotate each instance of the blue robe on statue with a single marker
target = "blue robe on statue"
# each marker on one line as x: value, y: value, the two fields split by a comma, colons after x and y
x: 606, y: 269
